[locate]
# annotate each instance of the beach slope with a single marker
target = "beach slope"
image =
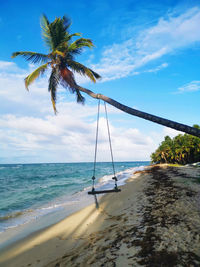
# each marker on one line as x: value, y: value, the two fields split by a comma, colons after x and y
x: 154, y: 221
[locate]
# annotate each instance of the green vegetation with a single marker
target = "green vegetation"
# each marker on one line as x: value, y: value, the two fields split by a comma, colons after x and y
x: 182, y: 149
x: 60, y: 59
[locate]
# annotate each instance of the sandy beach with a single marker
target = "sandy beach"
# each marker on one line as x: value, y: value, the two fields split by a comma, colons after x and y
x: 154, y: 221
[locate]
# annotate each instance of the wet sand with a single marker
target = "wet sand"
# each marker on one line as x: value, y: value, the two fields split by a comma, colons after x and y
x: 154, y: 221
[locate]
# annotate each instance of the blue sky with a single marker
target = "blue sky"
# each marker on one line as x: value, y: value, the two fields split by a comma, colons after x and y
x: 148, y: 54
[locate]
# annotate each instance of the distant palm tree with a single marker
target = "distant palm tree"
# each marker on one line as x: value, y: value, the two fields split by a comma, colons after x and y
x: 182, y: 149
x: 60, y: 58
x: 62, y: 63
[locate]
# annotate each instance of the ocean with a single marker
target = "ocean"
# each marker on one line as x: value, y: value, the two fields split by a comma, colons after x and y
x: 32, y: 191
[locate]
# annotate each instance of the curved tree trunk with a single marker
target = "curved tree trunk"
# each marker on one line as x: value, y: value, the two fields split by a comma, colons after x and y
x: 168, y: 123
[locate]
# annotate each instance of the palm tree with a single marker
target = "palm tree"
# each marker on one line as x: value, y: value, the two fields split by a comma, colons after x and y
x: 181, y: 149
x: 62, y: 63
x: 60, y: 58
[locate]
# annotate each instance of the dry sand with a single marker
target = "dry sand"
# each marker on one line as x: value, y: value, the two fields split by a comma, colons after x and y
x: 154, y: 221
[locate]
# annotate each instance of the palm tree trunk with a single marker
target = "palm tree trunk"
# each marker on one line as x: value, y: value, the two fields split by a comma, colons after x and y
x: 168, y: 123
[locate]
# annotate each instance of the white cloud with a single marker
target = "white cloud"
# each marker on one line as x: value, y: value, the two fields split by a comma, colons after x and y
x: 6, y: 64
x: 168, y: 35
x: 172, y: 33
x: 37, y: 100
x: 158, y: 137
x: 162, y: 66
x: 67, y: 138
x: 190, y: 87
x: 11, y: 67
x: 12, y: 86
x: 170, y: 132
x: 29, y: 125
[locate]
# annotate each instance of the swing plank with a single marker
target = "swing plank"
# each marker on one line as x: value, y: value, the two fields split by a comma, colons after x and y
x: 95, y: 192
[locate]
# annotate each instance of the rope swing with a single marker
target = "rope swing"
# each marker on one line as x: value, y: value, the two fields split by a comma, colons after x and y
x: 115, y: 189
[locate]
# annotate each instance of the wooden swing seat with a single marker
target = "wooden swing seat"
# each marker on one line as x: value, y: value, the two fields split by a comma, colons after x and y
x: 95, y: 192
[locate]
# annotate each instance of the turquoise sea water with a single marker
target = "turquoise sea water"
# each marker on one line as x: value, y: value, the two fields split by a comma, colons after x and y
x: 29, y: 191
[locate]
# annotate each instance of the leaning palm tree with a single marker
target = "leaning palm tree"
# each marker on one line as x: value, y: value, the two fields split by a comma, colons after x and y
x: 61, y: 60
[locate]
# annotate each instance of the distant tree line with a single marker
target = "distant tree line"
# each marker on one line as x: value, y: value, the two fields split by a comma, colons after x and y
x: 181, y: 149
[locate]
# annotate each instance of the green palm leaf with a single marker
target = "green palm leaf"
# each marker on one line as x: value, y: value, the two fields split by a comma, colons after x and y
x: 65, y: 44
x: 69, y: 37
x: 77, y: 46
x: 35, y: 74
x: 56, y: 32
x: 79, y: 97
x: 46, y: 31
x: 32, y: 56
x: 81, y: 69
x: 54, y: 80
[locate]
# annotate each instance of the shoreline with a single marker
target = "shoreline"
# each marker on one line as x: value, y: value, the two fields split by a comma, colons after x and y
x: 33, y: 220
x: 155, y: 218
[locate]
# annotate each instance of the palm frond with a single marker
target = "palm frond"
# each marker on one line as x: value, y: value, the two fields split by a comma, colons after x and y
x: 74, y: 34
x: 45, y: 20
x: 77, y: 46
x: 32, y: 56
x: 79, y: 97
x: 95, y: 74
x: 68, y: 37
x: 35, y: 74
x: 83, y: 70
x: 53, y: 100
x: 46, y: 31
x: 65, y: 44
x: 84, y: 42
x: 54, y: 80
x: 58, y: 32
x: 55, y: 33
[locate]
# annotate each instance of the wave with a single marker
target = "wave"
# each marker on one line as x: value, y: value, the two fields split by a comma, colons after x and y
x: 106, y: 182
x: 10, y: 167
x: 121, y: 176
x: 46, y: 200
x: 60, y: 205
x: 14, y: 215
